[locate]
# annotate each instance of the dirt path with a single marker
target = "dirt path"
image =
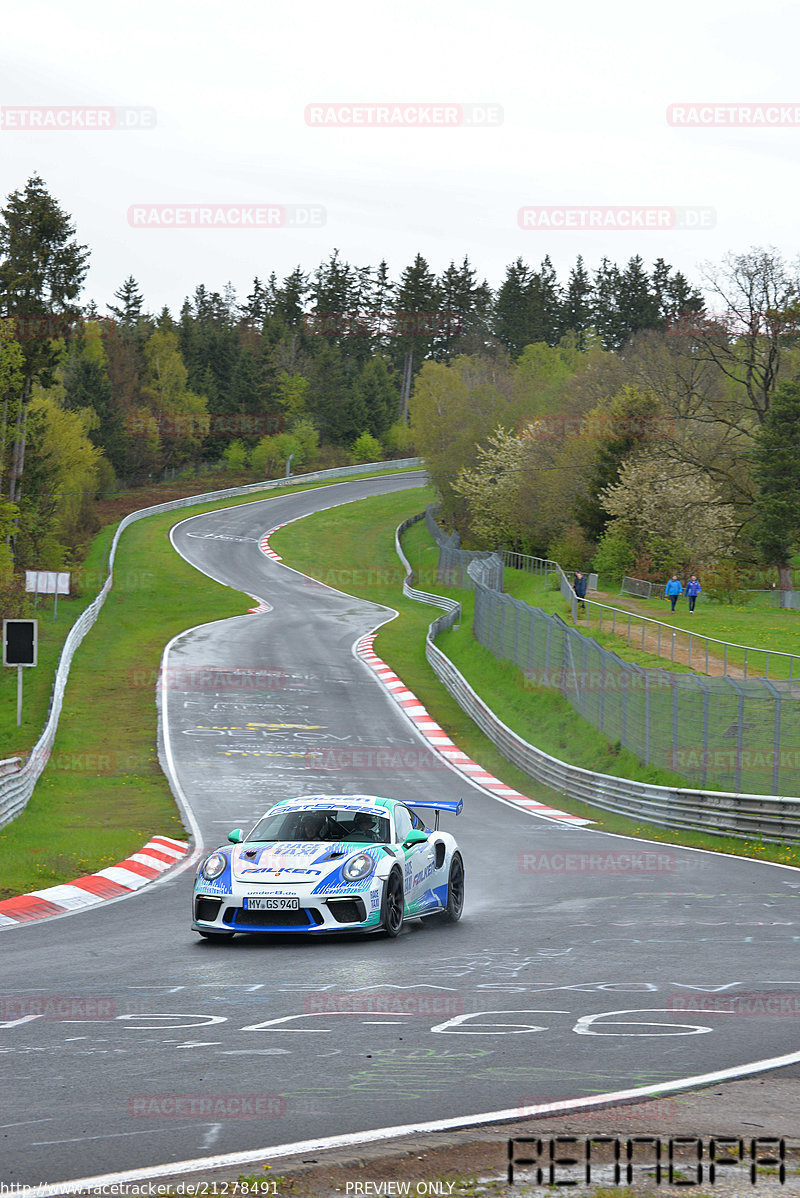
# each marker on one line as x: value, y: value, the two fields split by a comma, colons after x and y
x: 650, y: 644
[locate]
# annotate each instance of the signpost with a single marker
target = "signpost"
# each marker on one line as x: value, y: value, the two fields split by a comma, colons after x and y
x: 20, y: 648
x: 47, y: 582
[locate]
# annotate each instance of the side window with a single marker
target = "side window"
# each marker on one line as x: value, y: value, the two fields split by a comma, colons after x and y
x: 416, y: 822
x: 402, y: 822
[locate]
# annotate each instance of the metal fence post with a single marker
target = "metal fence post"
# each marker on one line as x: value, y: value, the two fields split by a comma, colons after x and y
x: 674, y: 753
x: 601, y: 713
x: 646, y: 717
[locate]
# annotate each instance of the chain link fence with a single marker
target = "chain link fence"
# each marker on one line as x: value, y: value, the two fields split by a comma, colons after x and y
x: 734, y: 734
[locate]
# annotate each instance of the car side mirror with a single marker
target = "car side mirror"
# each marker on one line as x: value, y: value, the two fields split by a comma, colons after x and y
x: 236, y: 836
x: 415, y: 836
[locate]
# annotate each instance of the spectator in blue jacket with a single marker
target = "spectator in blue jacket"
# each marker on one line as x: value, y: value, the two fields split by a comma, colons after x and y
x: 673, y: 590
x: 693, y: 589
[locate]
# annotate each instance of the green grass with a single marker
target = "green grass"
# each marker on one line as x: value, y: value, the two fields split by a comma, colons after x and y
x: 102, y: 794
x: 363, y: 534
x: 37, y: 680
x: 538, y: 591
x: 754, y: 624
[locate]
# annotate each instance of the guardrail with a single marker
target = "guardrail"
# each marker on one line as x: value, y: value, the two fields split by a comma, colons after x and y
x: 17, y: 788
x: 723, y: 813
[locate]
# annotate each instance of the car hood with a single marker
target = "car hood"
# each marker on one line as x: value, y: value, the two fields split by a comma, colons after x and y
x: 288, y: 862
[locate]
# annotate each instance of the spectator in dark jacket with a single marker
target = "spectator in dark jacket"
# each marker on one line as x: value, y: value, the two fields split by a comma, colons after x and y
x: 579, y: 587
x: 693, y: 589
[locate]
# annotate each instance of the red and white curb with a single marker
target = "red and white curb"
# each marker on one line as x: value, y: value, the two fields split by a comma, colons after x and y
x: 158, y: 855
x: 263, y: 544
x: 438, y: 739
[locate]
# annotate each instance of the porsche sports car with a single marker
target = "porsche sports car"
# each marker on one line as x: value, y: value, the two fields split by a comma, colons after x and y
x: 331, y: 863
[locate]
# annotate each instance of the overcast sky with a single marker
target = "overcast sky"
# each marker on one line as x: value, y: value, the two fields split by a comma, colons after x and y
x: 575, y: 100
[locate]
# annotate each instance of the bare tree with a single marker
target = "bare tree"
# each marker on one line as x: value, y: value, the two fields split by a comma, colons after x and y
x: 760, y: 318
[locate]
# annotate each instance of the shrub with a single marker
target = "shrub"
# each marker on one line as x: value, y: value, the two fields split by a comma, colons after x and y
x: 367, y: 449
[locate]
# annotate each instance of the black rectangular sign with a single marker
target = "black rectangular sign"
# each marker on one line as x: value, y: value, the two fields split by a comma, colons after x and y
x: 20, y: 642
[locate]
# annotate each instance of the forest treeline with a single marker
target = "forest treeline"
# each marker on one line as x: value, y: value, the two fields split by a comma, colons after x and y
x: 604, y: 416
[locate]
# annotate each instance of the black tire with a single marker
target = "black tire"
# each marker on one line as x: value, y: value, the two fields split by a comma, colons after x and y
x: 455, y: 889
x: 394, y: 905
x: 214, y: 935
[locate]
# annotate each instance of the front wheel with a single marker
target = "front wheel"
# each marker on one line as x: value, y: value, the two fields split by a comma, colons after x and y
x: 455, y: 889
x: 393, y: 905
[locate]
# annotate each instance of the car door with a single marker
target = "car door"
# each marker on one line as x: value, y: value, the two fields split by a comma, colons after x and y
x: 419, y: 863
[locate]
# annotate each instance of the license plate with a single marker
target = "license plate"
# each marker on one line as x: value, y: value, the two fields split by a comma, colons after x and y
x: 272, y: 904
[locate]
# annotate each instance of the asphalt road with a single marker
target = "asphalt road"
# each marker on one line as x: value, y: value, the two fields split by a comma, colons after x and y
x: 576, y: 970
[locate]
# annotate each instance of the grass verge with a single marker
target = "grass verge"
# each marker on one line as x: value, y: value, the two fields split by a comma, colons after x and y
x: 102, y: 794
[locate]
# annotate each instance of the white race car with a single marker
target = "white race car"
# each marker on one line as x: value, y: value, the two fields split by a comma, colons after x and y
x: 331, y: 863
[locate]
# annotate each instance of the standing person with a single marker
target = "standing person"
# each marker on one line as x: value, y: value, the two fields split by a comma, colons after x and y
x: 579, y: 587
x: 673, y: 590
x: 693, y: 589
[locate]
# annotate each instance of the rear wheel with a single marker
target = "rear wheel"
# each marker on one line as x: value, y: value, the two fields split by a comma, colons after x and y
x: 455, y: 889
x: 393, y: 905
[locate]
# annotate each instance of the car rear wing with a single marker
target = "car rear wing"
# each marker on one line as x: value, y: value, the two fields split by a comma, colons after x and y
x: 433, y: 805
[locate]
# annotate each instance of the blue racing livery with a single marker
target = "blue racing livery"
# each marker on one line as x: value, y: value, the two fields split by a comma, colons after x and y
x: 330, y: 863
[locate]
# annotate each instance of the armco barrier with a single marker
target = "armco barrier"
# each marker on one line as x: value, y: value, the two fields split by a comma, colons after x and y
x: 16, y: 788
x: 743, y: 816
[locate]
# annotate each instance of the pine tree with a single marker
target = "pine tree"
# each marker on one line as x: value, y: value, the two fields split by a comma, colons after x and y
x: 776, y: 528
x: 576, y: 308
x: 510, y: 322
x: 416, y: 309
x: 129, y: 312
x: 42, y: 269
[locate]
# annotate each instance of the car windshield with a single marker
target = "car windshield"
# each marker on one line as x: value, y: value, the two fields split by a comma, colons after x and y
x: 361, y: 827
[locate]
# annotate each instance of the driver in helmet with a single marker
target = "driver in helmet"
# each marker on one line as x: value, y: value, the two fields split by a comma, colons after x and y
x: 313, y: 825
x: 365, y: 826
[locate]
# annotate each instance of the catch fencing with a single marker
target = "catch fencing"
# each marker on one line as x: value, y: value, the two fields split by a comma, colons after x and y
x: 17, y: 781
x: 735, y: 734
x: 642, y: 589
x: 742, y: 816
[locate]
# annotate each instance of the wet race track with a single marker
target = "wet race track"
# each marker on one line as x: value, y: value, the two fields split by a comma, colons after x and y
x: 584, y: 963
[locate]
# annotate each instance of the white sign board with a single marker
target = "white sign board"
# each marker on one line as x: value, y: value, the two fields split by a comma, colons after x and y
x: 46, y: 582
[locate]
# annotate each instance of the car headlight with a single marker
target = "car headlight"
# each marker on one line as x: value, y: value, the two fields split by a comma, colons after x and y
x: 213, y: 866
x: 358, y: 867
